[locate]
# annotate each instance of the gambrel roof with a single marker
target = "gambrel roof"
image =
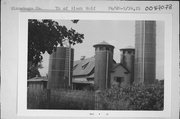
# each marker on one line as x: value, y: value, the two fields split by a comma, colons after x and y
x: 86, y: 67
x: 83, y: 67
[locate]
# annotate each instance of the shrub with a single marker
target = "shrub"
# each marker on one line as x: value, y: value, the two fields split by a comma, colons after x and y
x: 135, y: 97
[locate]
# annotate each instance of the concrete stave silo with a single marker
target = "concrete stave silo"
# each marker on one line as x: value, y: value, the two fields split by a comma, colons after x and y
x: 127, y: 60
x: 145, y: 52
x: 58, y: 72
x: 103, y: 65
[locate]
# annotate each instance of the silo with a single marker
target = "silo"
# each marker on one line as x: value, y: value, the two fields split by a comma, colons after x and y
x: 145, y: 52
x: 103, y: 64
x: 58, y: 73
x: 127, y: 60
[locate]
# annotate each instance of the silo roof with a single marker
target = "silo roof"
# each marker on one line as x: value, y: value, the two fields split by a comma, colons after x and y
x: 103, y: 43
x: 128, y: 48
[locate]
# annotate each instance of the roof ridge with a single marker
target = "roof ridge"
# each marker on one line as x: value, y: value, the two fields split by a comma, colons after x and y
x: 85, y: 59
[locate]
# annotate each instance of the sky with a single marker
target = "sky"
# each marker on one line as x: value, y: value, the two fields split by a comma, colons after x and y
x: 120, y: 34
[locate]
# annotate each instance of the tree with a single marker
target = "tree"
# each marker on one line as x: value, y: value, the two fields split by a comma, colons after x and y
x: 44, y: 36
x: 33, y: 70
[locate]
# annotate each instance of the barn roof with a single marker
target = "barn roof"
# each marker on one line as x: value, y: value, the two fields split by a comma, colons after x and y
x: 85, y: 82
x: 119, y: 64
x: 37, y: 79
x: 83, y: 67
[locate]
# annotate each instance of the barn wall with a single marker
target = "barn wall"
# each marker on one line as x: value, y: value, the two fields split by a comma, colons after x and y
x: 36, y: 86
x: 120, y: 72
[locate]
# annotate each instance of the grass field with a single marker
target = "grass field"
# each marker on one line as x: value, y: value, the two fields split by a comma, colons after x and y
x: 137, y: 97
x: 61, y: 99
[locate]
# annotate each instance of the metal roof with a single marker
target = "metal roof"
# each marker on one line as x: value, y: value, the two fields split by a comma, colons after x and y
x: 85, y: 82
x: 37, y: 79
x: 89, y: 70
x: 128, y: 48
x: 103, y: 43
x: 119, y: 64
x: 83, y: 67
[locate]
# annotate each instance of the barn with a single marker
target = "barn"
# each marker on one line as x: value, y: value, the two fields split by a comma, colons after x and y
x: 84, y: 69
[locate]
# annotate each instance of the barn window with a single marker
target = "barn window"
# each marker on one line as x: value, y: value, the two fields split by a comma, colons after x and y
x: 74, y: 67
x: 129, y: 52
x: 107, y: 49
x: 119, y: 80
x: 85, y: 65
x: 101, y: 48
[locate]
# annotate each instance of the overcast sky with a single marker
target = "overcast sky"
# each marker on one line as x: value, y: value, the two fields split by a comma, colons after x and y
x: 121, y: 34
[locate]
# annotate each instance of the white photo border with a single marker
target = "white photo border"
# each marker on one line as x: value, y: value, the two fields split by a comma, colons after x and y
x: 22, y: 64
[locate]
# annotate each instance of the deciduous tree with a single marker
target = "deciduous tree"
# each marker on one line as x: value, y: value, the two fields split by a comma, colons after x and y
x: 45, y: 35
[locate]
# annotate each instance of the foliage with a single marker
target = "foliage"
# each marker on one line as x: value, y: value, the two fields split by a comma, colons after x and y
x: 45, y: 35
x: 136, y: 97
x: 33, y: 70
